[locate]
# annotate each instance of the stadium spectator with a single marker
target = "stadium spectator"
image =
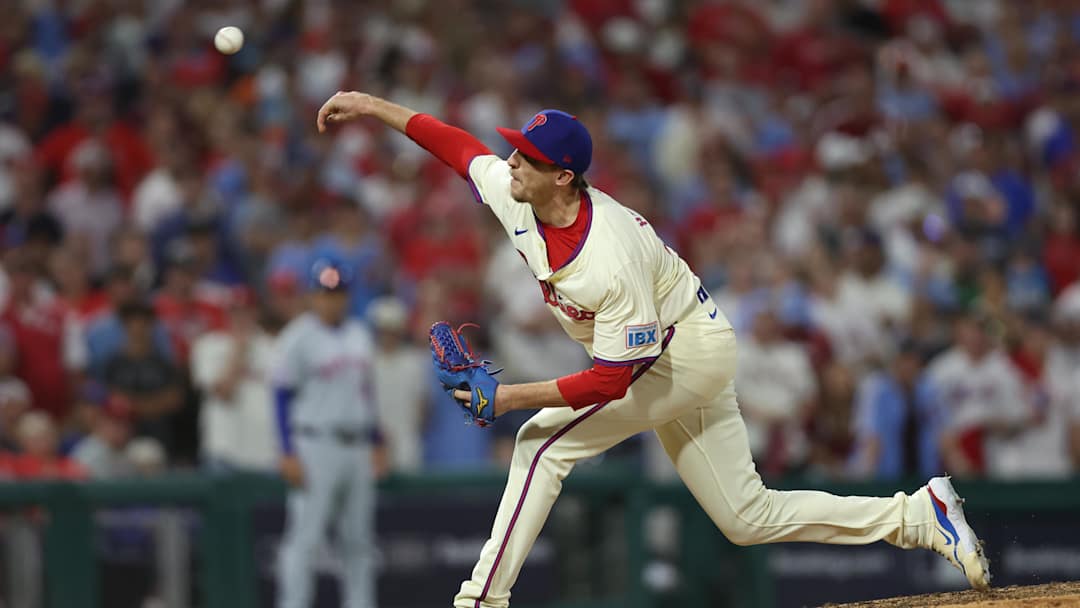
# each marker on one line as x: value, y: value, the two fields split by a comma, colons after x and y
x: 147, y: 456
x: 102, y: 452
x: 131, y: 250
x: 1061, y: 248
x: 141, y: 377
x: 740, y: 296
x: 95, y: 118
x: 285, y: 299
x: 212, y: 261
x: 893, y: 419
x: 14, y: 150
x: 777, y: 389
x: 105, y: 335
x: 14, y: 395
x: 978, y: 399
x: 401, y: 396
x: 255, y: 225
x: 831, y: 431
x: 229, y: 368
x: 160, y: 193
x: 28, y: 219
x: 1039, y: 449
x: 867, y: 289
x: 186, y: 306
x: 52, y: 351
x: 291, y: 255
x: 1061, y: 364
x: 74, y: 288
x: 39, y: 456
x: 853, y: 338
x: 707, y: 225
x: 88, y: 207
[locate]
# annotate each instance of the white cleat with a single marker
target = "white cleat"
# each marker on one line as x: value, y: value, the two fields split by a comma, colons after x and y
x: 953, y: 537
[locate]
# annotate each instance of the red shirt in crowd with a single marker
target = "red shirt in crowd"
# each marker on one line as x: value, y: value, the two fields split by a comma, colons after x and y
x: 89, y: 307
x: 39, y: 337
x: 186, y: 320
x: 1061, y: 254
x: 131, y: 158
x: 705, y: 220
x: 28, y: 466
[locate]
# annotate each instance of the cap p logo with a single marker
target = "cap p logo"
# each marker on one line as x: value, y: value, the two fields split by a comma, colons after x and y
x: 537, y: 120
x: 329, y: 278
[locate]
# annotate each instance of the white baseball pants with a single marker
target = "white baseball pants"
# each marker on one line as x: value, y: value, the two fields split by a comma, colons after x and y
x: 688, y: 398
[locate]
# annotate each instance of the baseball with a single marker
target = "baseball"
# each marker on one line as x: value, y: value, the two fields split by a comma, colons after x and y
x: 229, y: 39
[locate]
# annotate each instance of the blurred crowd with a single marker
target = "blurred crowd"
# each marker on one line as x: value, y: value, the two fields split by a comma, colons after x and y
x: 883, y: 195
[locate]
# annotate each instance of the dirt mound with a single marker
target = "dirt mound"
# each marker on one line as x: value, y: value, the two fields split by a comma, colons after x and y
x: 1051, y: 595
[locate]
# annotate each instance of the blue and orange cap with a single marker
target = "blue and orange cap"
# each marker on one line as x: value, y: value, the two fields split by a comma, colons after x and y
x: 553, y: 137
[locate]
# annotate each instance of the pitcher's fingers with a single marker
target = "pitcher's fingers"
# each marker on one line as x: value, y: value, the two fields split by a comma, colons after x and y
x: 324, y: 113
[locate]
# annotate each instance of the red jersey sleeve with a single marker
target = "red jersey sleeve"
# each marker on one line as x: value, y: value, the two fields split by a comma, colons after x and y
x: 453, y: 146
x: 597, y: 384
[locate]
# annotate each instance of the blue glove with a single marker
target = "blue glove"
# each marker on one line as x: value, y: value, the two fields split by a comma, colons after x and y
x: 458, y: 369
x: 481, y: 407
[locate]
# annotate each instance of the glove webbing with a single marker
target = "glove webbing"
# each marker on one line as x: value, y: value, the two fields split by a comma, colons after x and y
x: 451, y: 348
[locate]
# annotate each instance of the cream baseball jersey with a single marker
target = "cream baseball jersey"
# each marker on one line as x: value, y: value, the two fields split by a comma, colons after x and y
x: 620, y: 289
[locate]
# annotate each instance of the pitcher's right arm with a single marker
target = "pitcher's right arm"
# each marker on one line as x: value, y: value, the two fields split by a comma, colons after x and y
x: 453, y: 146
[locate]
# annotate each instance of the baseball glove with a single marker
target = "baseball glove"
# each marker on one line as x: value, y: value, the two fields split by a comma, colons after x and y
x: 458, y: 368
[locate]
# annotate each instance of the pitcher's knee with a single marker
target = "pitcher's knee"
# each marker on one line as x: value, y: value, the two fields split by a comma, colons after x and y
x: 745, y: 524
x: 740, y: 534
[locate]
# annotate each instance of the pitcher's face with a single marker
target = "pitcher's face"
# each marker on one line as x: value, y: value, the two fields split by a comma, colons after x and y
x: 533, y: 181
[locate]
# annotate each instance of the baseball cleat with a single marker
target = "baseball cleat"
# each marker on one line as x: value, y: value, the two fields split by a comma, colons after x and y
x: 953, y: 537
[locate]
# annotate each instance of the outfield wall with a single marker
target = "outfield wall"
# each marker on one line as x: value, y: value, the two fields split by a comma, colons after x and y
x: 613, y: 540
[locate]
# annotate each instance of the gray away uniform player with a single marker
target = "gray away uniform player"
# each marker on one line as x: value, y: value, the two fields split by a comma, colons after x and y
x: 323, y: 382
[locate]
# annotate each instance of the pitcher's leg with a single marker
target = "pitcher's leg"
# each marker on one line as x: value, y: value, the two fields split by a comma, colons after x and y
x: 547, y: 447
x: 710, y: 450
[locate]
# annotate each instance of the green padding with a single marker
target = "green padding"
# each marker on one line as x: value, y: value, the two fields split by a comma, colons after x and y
x: 227, y: 500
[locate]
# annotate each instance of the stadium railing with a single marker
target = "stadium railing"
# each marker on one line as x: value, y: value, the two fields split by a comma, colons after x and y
x: 226, y: 561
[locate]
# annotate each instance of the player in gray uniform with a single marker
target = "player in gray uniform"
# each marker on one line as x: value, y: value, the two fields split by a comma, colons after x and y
x: 322, y: 376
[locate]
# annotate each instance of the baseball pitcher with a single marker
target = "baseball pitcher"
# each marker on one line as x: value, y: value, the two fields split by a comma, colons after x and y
x: 663, y: 360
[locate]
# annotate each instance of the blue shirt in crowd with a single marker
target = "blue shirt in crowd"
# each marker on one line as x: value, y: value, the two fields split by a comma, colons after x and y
x: 450, y: 443
x: 882, y: 408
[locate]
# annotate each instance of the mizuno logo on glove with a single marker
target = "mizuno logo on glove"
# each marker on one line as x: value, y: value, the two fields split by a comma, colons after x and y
x: 481, y: 402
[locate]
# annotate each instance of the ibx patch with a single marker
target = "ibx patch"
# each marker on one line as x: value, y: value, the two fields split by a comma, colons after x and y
x: 642, y: 335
